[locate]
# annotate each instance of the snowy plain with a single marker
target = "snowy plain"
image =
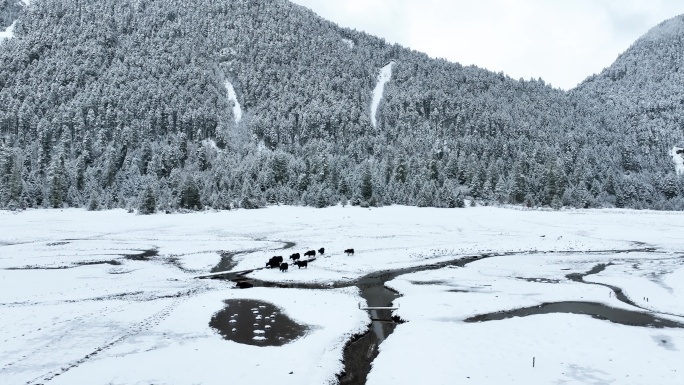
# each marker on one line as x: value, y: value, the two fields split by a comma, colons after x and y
x: 80, y: 305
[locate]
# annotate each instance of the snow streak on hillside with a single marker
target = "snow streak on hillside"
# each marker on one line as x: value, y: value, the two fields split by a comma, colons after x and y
x: 237, y: 110
x: 7, y: 33
x: 348, y: 42
x: 383, y: 78
x: 678, y: 160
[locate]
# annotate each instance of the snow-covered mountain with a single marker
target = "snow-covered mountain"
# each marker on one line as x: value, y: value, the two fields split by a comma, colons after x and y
x: 126, y: 103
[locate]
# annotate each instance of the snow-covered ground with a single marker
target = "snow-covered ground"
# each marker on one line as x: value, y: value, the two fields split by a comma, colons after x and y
x: 566, y: 348
x: 232, y: 96
x: 348, y: 42
x: 72, y: 304
x: 8, y: 33
x: 384, y: 77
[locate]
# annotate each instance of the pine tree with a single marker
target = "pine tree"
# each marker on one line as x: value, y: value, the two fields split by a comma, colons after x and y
x: 366, y: 187
x: 460, y: 203
x: 57, y: 182
x: 148, y: 202
x: 190, y: 195
x: 401, y: 170
x: 93, y: 201
x: 670, y: 186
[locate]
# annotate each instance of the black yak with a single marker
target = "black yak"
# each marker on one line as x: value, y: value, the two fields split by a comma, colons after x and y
x: 310, y: 253
x: 321, y: 250
x: 283, y: 266
x: 349, y: 251
x: 273, y: 263
x: 294, y: 256
x: 301, y: 264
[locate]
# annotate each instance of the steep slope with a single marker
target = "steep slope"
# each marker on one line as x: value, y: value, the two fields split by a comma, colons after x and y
x: 642, y: 97
x: 649, y: 75
x: 102, y: 101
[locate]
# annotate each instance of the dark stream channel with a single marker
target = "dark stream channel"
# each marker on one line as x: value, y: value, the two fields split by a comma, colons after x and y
x: 595, y: 310
x: 360, y: 352
x: 619, y: 294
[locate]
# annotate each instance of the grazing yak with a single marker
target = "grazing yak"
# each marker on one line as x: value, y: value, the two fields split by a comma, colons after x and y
x: 301, y: 264
x: 294, y: 256
x: 310, y: 253
x: 278, y: 258
x: 283, y: 266
x: 274, y: 262
x: 349, y: 251
x: 321, y: 250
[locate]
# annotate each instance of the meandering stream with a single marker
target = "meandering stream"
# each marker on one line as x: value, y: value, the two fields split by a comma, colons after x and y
x: 363, y: 349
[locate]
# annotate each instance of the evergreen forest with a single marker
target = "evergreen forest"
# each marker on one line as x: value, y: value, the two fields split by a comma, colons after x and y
x: 126, y: 104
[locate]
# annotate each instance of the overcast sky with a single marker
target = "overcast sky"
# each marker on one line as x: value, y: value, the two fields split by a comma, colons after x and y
x: 561, y: 41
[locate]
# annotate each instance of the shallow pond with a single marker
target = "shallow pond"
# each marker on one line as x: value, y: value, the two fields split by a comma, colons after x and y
x: 256, y: 323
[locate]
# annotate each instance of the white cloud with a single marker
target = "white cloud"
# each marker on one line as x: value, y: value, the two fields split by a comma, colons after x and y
x: 561, y: 41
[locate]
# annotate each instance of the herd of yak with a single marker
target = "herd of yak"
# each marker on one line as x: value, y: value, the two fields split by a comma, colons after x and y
x: 277, y: 261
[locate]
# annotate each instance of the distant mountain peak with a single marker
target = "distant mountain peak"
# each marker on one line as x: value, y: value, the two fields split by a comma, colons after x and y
x: 667, y: 29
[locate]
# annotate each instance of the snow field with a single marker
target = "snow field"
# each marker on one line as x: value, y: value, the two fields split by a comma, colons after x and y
x: 182, y: 349
x: 147, y: 321
x: 654, y: 284
x: 568, y: 348
x: 418, y: 236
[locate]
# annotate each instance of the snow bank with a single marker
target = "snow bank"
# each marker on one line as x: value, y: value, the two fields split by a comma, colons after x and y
x: 383, y: 78
x: 348, y: 42
x: 237, y: 110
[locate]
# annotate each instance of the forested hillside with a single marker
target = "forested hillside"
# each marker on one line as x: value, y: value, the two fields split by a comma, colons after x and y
x: 10, y: 10
x: 117, y: 103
